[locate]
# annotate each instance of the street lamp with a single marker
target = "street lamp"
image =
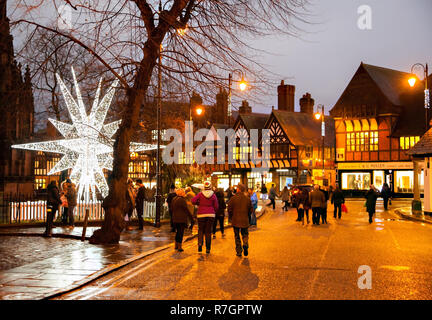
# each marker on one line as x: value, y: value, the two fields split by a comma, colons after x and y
x: 242, y: 86
x: 158, y: 120
x: 320, y: 115
x: 412, y: 81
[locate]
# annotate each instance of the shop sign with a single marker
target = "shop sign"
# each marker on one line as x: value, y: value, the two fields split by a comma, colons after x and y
x: 375, y: 165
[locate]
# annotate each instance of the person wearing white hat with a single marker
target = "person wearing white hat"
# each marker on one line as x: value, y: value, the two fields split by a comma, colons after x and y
x: 207, y: 206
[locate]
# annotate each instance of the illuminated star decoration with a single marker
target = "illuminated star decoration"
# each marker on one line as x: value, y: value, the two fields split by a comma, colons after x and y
x: 87, y: 146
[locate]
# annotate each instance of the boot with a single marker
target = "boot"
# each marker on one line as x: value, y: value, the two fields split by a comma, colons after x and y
x: 176, y: 245
x: 180, y: 249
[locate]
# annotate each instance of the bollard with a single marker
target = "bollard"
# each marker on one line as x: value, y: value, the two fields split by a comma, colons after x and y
x: 85, y: 224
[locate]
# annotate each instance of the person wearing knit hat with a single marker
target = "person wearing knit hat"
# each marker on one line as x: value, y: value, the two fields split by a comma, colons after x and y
x: 207, y: 206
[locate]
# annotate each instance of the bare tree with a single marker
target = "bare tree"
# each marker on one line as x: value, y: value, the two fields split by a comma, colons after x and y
x: 199, y: 42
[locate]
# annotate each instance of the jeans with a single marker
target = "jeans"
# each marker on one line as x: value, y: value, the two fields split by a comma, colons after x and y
x: 140, y: 212
x: 64, y: 216
x: 205, y: 226
x: 272, y: 203
x: 316, y: 215
x: 219, y: 219
x: 386, y: 200
x: 337, y: 210
x: 286, y: 205
x: 371, y: 214
x: 179, y: 227
x: 245, y: 238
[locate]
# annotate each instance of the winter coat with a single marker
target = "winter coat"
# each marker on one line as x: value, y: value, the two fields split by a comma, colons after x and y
x: 139, y: 201
x: 254, y: 201
x: 264, y: 190
x: 53, y: 197
x: 303, y: 198
x: 180, y: 210
x: 272, y: 193
x: 71, y: 195
x: 170, y: 197
x: 337, y: 197
x: 285, y: 195
x: 207, y: 204
x: 371, y: 198
x: 317, y: 199
x: 189, y: 197
x: 239, y: 209
x: 386, y: 192
x: 221, y: 202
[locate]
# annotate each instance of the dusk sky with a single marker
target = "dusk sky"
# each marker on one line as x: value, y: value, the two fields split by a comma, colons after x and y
x: 326, y: 56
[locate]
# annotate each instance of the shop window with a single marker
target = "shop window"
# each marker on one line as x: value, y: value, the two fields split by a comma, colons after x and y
x: 356, y: 180
x: 362, y: 141
x: 378, y: 178
x: 404, y: 181
x: 408, y: 142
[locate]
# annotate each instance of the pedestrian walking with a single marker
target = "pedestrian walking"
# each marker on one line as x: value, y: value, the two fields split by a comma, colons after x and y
x: 324, y: 207
x: 272, y: 197
x: 180, y: 215
x: 139, y: 202
x: 64, y: 204
x: 71, y: 196
x: 53, y: 202
x: 316, y: 199
x: 220, y: 213
x: 254, y: 200
x: 207, y: 206
x: 189, y: 196
x: 130, y: 203
x: 285, y: 196
x: 337, y: 200
x: 264, y: 192
x: 386, y: 195
x: 239, y: 209
x: 371, y: 198
x: 171, y: 195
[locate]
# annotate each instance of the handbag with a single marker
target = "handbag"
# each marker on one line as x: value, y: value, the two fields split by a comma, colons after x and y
x: 300, y: 206
x: 344, y: 208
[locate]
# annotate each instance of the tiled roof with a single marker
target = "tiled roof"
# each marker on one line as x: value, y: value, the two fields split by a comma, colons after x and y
x: 424, y: 146
x: 254, y: 120
x: 304, y: 130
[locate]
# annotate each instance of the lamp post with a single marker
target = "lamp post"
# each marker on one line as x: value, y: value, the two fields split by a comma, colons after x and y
x: 242, y: 86
x: 416, y: 203
x: 158, y: 120
x: 318, y: 116
x: 412, y: 81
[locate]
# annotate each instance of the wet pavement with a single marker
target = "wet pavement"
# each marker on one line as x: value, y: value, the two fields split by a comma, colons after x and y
x: 287, y: 260
x: 34, y: 267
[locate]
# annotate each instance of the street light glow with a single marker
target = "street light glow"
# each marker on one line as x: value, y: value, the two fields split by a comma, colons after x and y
x: 317, y: 115
x: 412, y: 81
x: 199, y: 111
x: 243, y: 84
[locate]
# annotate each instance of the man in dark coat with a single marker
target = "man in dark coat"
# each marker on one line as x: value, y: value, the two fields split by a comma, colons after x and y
x: 386, y: 194
x: 239, y: 209
x: 139, y: 202
x: 220, y: 213
x: 53, y: 202
x: 317, y: 200
x: 170, y: 197
x: 337, y: 200
x: 371, y: 198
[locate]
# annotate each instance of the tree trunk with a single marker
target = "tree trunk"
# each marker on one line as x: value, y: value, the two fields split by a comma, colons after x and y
x: 115, y: 203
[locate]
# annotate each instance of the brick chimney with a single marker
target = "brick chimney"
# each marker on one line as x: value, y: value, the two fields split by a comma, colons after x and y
x: 221, y: 114
x: 245, y: 108
x: 286, y: 97
x: 307, y: 103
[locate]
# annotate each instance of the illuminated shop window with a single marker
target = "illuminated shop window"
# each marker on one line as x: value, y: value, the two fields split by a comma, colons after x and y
x: 356, y: 180
x: 408, y: 142
x: 404, y: 181
x: 40, y: 184
x: 362, y: 141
